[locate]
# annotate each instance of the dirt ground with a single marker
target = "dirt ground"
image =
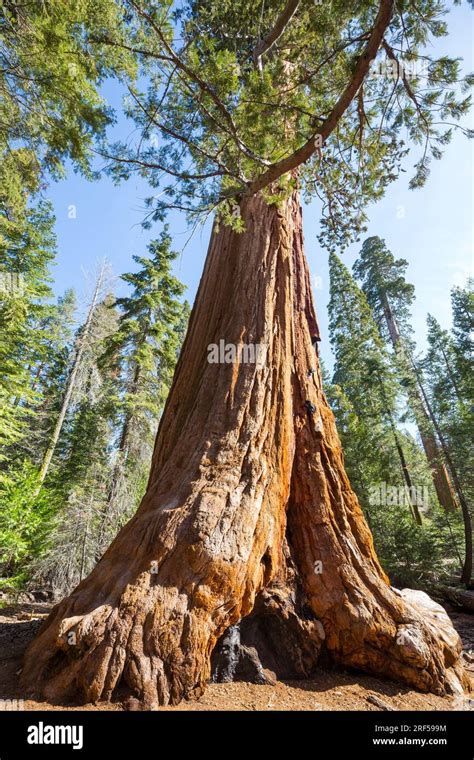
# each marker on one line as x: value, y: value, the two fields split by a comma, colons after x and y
x: 330, y: 690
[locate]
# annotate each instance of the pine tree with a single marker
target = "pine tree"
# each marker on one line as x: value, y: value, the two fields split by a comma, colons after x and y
x: 26, y: 252
x: 390, y: 297
x: 47, y: 366
x: 44, y: 360
x: 364, y: 371
x: 462, y: 300
x: 80, y: 466
x: 384, y: 463
x: 142, y: 355
x: 33, y: 334
x: 448, y: 372
x: 441, y: 369
x: 83, y: 344
x: 461, y: 433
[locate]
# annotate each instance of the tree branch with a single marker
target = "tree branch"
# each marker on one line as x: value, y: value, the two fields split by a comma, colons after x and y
x: 180, y: 64
x: 406, y: 83
x: 304, y: 153
x: 183, y: 139
x: 263, y: 46
x: 185, y: 176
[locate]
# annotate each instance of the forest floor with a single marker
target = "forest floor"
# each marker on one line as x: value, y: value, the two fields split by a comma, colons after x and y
x: 333, y: 689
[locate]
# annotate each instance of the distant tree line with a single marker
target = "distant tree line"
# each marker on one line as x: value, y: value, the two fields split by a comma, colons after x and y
x: 80, y: 405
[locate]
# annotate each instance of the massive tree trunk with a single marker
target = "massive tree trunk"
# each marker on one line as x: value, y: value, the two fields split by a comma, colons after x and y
x: 248, y: 514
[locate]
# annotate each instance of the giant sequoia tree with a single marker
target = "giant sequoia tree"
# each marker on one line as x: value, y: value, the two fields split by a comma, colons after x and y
x: 248, y: 514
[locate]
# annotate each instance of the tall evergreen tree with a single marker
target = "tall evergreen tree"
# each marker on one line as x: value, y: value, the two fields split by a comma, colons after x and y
x: 363, y: 369
x: 449, y: 376
x: 461, y: 434
x: 462, y: 300
x: 47, y: 365
x: 448, y: 373
x: 83, y: 345
x: 26, y: 252
x: 76, y: 482
x: 390, y: 297
x: 441, y: 369
x: 384, y: 463
x: 34, y: 336
x: 142, y: 355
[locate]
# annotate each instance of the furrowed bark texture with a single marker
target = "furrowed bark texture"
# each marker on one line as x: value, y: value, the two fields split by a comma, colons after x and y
x: 248, y: 515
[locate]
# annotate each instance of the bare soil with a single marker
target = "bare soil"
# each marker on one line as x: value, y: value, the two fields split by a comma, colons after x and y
x: 330, y: 689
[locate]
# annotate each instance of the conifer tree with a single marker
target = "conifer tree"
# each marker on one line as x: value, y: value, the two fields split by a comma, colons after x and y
x: 384, y: 463
x: 26, y: 253
x: 448, y: 373
x: 462, y: 300
x: 442, y: 370
x: 76, y: 482
x: 33, y: 332
x: 141, y: 355
x: 363, y: 369
x: 47, y: 365
x: 390, y: 297
x: 84, y: 344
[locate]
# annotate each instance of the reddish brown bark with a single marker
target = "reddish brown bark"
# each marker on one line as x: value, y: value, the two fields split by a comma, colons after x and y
x: 247, y: 492
x: 442, y: 482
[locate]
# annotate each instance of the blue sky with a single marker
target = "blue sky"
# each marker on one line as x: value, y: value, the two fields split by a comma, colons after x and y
x: 432, y: 228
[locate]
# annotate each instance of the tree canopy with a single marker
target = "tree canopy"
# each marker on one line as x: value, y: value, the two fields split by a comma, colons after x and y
x: 234, y: 98
x: 230, y: 98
